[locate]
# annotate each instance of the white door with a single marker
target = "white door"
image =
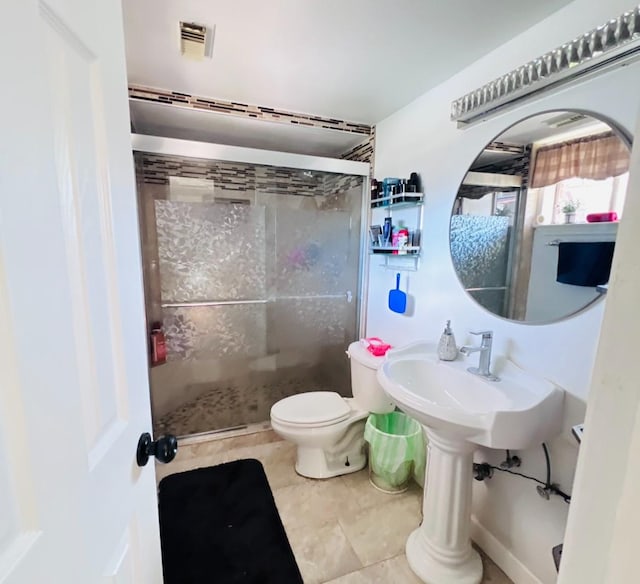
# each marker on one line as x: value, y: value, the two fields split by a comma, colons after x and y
x: 74, y: 506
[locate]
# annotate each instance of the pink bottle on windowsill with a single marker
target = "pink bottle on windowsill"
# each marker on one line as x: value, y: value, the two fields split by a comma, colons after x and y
x: 607, y: 217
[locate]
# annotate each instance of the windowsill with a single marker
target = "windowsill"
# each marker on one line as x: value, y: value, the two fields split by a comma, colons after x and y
x: 573, y: 225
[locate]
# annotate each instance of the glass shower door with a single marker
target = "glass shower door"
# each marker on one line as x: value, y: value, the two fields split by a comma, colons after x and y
x: 212, y: 273
x: 313, y: 297
x: 255, y: 286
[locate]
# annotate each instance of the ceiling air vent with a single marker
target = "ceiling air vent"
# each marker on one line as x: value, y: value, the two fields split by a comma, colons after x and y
x: 195, y: 40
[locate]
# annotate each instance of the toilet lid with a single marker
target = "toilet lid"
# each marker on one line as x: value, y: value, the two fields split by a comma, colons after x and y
x: 312, y: 408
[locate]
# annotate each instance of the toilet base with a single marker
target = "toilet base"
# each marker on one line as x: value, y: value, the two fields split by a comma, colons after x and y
x: 327, y: 451
x: 312, y: 463
x: 316, y: 463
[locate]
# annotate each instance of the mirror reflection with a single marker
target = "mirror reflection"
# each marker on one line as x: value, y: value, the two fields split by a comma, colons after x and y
x: 534, y: 222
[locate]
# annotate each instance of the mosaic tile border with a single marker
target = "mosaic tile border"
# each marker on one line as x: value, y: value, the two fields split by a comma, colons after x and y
x: 232, y: 176
x: 506, y: 147
x: 199, y: 102
x: 516, y: 166
x: 364, y: 152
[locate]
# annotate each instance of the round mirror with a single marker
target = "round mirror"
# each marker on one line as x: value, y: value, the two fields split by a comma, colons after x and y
x: 534, y: 222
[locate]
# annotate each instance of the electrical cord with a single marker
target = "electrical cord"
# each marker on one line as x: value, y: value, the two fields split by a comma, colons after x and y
x: 548, y: 459
x: 566, y: 498
x: 518, y: 474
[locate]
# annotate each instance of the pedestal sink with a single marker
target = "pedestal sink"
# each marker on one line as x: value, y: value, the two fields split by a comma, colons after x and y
x: 459, y: 412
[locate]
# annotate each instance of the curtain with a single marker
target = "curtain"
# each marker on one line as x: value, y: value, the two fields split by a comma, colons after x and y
x: 594, y: 157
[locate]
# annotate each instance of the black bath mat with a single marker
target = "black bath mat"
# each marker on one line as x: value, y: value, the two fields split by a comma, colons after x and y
x: 220, y: 525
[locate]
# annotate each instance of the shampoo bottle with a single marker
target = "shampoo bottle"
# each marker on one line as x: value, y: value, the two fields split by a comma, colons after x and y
x: 447, y: 350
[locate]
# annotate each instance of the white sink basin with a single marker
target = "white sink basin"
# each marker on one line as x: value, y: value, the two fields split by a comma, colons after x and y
x: 519, y: 411
x: 459, y: 411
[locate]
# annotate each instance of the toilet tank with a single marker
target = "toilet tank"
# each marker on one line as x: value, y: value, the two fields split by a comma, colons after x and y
x: 366, y: 390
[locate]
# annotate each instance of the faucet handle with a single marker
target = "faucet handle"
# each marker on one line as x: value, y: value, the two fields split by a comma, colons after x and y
x: 484, y: 334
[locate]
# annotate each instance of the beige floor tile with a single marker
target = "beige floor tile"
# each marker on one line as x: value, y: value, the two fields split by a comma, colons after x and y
x: 176, y: 466
x: 278, y: 459
x: 393, y: 571
x: 380, y: 533
x: 397, y: 571
x: 219, y: 446
x: 367, y: 495
x: 322, y: 553
x: 313, y: 503
x: 283, y: 474
x: 279, y: 462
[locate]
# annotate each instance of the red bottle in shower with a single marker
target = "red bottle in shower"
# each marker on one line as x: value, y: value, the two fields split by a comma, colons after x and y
x: 158, y: 344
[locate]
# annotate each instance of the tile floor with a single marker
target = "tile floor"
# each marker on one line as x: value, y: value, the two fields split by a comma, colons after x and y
x: 342, y: 530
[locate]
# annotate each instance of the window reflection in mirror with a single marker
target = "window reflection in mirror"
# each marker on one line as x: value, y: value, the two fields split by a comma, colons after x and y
x: 533, y: 222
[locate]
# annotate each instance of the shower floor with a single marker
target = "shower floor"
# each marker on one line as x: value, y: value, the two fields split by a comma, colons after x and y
x: 231, y: 406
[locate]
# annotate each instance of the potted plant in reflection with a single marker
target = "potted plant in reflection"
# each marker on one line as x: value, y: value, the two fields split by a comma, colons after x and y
x: 569, y: 208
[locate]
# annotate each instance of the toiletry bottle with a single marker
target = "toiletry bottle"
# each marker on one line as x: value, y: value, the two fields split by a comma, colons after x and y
x: 403, y: 238
x: 402, y: 190
x: 413, y: 186
x: 414, y: 179
x: 447, y: 350
x: 374, y: 193
x: 387, y: 229
x: 158, y: 344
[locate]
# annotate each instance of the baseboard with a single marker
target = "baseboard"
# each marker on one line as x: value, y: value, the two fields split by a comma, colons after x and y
x: 496, y: 550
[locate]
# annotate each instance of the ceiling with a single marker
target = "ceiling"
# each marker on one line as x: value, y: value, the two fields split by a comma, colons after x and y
x: 544, y: 128
x: 204, y: 126
x: 356, y: 60
x: 539, y: 130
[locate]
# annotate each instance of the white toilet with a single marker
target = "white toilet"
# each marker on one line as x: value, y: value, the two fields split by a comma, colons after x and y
x: 327, y: 428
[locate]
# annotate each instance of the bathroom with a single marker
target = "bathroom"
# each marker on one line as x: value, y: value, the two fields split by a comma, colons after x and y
x: 511, y: 523
x: 197, y: 188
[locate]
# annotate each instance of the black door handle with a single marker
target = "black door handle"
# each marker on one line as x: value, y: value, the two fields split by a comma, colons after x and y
x: 164, y: 448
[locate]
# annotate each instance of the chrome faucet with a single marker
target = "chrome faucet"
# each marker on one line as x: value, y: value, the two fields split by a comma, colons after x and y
x: 484, y: 366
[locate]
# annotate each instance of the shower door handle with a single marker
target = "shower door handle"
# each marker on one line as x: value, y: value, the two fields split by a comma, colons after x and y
x: 164, y: 448
x: 349, y: 296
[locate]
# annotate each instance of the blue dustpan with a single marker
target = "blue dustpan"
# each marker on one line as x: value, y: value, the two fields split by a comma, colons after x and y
x: 397, y: 298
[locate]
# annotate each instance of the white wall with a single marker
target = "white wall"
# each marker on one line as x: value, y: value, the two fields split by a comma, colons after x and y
x: 421, y: 138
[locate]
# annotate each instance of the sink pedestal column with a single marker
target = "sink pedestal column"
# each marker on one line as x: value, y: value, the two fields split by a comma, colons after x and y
x: 439, y: 551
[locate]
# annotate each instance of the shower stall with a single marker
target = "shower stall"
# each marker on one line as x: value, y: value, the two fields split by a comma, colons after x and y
x: 253, y: 270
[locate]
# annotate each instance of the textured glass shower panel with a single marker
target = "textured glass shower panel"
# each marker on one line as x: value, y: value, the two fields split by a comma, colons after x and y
x: 210, y: 251
x: 492, y: 300
x: 480, y: 250
x: 313, y: 255
x: 220, y: 332
x: 309, y: 323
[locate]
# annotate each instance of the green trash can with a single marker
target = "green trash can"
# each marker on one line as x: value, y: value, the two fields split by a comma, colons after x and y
x: 396, y: 451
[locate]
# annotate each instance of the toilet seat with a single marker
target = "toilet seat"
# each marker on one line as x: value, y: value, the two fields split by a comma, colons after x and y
x: 312, y: 409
